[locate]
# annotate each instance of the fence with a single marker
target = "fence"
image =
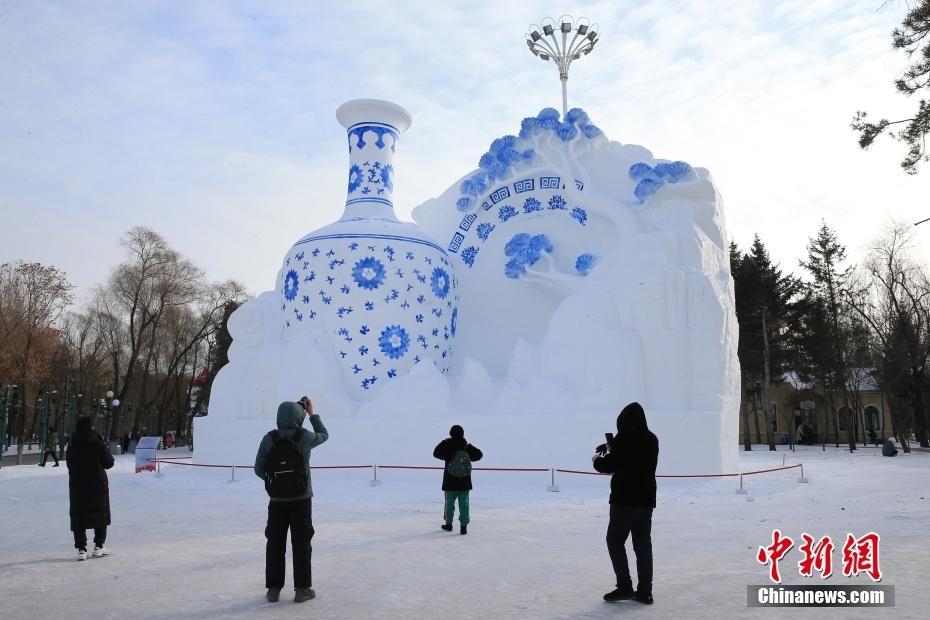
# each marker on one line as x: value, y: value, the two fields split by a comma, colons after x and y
x: 553, y: 487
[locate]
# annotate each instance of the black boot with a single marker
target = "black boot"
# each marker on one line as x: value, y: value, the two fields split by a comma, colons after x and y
x: 620, y: 594
x: 463, y: 530
x: 447, y: 527
x: 643, y: 597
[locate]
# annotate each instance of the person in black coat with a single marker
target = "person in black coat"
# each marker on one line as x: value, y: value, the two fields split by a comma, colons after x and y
x: 88, y: 458
x: 631, y: 457
x: 456, y: 477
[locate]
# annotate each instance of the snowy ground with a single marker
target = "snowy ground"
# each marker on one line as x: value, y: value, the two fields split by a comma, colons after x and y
x: 190, y: 544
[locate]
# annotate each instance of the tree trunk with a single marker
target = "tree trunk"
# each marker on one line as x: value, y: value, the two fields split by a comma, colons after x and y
x: 747, y: 439
x: 766, y: 383
x: 920, y: 420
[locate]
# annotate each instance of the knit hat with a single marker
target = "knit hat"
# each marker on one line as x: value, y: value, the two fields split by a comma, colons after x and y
x: 456, y: 431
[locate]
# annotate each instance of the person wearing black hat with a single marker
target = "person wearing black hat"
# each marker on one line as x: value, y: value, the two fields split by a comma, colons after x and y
x: 631, y: 457
x: 456, y: 478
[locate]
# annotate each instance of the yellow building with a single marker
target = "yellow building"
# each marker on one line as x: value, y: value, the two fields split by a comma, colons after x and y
x: 797, y: 404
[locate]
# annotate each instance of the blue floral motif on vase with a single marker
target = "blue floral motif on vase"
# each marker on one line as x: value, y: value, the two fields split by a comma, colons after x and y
x: 394, y: 341
x: 440, y: 283
x: 454, y: 321
x: 355, y: 178
x: 291, y: 285
x: 368, y: 273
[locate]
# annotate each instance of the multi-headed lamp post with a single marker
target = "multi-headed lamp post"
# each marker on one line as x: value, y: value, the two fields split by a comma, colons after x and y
x: 562, y: 42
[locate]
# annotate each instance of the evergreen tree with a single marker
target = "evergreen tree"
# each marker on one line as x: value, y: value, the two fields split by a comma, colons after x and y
x: 768, y: 309
x: 913, y: 36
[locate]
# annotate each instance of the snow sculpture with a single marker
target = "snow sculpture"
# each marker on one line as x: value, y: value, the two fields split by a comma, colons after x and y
x: 573, y: 274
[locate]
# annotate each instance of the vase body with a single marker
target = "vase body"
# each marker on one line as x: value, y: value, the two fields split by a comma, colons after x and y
x: 382, y: 290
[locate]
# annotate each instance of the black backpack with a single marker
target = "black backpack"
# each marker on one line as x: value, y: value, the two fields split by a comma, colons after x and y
x: 285, y: 466
x: 459, y: 466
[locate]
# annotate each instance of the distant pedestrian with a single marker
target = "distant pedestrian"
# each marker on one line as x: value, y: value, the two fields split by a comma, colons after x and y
x: 873, y: 436
x: 888, y: 449
x: 51, y: 438
x: 87, y: 458
x: 631, y: 457
x: 458, y: 455
x: 283, y: 462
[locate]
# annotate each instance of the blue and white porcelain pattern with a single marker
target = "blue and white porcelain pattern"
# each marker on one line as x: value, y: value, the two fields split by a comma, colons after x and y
x: 382, y: 290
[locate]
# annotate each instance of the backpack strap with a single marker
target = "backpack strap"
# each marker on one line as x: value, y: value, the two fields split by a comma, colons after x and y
x: 274, y: 436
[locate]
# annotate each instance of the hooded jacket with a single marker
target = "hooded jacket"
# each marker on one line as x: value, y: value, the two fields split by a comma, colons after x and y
x: 290, y: 418
x: 632, y: 460
x: 88, y: 487
x: 445, y: 451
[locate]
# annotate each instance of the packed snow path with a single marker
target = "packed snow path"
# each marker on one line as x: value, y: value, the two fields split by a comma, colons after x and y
x: 190, y: 544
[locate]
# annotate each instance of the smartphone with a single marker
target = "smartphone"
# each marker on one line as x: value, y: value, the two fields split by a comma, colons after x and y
x: 610, y: 438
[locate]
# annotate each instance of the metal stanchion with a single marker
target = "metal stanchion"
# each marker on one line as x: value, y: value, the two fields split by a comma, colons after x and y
x: 233, y: 475
x: 552, y: 488
x: 741, y: 490
x: 374, y: 482
x: 802, y: 479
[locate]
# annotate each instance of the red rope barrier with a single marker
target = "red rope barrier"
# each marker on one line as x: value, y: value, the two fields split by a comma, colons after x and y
x: 171, y: 461
x: 745, y: 473
x: 437, y: 468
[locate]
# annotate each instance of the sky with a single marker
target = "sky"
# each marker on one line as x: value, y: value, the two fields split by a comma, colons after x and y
x: 214, y: 122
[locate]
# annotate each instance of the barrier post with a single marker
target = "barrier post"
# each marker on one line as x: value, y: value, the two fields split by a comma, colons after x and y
x: 158, y: 473
x: 552, y: 488
x: 233, y: 476
x: 741, y: 490
x: 802, y: 479
x: 374, y: 482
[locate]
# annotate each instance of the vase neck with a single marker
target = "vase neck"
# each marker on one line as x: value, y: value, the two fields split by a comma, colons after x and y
x: 373, y: 127
x: 371, y: 170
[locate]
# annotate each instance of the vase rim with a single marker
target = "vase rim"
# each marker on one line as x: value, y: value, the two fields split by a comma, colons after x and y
x: 359, y: 111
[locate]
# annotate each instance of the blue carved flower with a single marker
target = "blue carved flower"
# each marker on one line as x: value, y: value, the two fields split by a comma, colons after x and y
x: 506, y: 212
x: 487, y: 161
x: 557, y: 202
x: 584, y: 263
x: 566, y: 131
x: 580, y: 214
x: 469, y: 254
x: 291, y: 285
x: 548, y: 118
x: 591, y: 131
x: 646, y: 188
x: 528, y: 155
x: 528, y: 127
x: 576, y: 116
x: 463, y: 203
x: 386, y: 173
x: 531, y: 204
x: 368, y: 273
x: 355, y: 178
x: 454, y: 321
x: 524, y: 251
x: 675, y: 171
x: 640, y: 170
x: 503, y: 142
x: 394, y: 341
x: 484, y: 229
x: 508, y: 155
x: 440, y: 283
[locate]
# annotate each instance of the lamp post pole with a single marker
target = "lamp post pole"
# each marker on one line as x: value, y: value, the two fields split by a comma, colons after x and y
x: 8, y: 392
x: 553, y: 43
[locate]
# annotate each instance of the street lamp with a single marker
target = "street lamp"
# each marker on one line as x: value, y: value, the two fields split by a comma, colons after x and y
x: 551, y: 42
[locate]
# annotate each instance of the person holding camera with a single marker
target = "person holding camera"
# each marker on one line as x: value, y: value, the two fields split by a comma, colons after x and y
x: 283, y: 462
x: 631, y: 457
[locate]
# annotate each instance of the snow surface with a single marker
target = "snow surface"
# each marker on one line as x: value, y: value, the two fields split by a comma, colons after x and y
x: 190, y: 544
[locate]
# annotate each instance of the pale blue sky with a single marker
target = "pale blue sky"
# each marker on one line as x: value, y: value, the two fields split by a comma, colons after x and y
x: 214, y: 122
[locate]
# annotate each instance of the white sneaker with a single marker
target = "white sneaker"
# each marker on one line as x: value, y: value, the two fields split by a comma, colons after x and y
x: 82, y: 554
x: 100, y: 552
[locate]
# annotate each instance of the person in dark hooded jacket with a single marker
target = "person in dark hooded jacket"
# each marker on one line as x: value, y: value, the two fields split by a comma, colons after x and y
x: 456, y: 477
x: 294, y: 513
x: 88, y: 488
x: 631, y: 457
